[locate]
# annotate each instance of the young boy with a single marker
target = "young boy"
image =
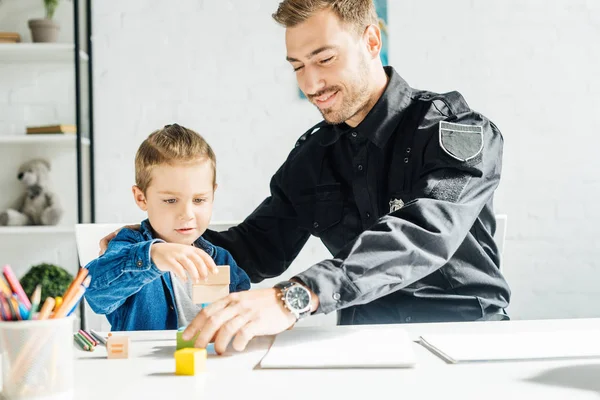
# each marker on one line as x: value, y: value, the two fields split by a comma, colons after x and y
x: 141, y: 281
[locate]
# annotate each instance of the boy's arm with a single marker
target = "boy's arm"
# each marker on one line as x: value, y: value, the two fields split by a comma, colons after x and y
x: 121, y: 271
x: 239, y: 279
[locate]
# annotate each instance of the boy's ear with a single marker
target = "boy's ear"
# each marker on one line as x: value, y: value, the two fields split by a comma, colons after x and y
x: 139, y: 197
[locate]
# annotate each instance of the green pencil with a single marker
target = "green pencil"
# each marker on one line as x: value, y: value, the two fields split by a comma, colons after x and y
x: 36, y: 297
x: 81, y: 342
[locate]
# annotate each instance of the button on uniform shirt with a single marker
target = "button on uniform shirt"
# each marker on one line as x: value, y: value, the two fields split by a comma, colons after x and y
x: 404, y: 203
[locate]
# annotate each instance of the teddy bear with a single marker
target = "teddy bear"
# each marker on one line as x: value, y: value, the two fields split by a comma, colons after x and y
x: 39, y: 205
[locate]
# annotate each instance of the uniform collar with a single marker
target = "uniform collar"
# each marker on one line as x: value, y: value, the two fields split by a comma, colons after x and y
x: 381, y: 121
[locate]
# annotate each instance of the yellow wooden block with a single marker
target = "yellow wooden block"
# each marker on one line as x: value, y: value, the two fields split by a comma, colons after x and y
x: 117, y: 346
x: 190, y: 361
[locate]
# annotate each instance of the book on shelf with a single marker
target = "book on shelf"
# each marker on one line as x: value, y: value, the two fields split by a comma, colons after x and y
x: 50, y: 129
x: 9, y: 37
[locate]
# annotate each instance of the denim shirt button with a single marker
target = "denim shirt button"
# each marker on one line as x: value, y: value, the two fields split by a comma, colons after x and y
x: 336, y: 296
x: 140, y: 263
x: 407, y: 319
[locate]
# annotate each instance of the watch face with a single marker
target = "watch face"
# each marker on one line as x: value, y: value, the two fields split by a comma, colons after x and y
x: 297, y: 297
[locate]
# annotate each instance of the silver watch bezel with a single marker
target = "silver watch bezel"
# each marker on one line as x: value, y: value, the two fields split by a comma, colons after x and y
x: 286, y: 288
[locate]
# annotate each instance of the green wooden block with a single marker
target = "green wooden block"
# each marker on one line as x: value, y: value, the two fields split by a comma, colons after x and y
x: 184, y: 344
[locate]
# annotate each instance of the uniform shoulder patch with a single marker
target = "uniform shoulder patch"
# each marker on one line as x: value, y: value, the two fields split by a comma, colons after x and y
x: 307, y: 134
x: 461, y: 142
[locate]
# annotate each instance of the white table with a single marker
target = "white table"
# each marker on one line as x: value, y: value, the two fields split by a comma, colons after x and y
x: 149, y: 373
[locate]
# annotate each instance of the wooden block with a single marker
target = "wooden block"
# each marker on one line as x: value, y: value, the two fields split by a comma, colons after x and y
x: 208, y: 293
x: 117, y: 346
x: 190, y: 361
x: 184, y: 344
x: 222, y: 278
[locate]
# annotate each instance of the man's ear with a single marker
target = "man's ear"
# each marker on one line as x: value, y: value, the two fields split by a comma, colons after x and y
x: 139, y: 197
x: 372, y: 38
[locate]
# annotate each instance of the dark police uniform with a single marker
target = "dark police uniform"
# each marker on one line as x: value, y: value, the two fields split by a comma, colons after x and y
x: 404, y: 204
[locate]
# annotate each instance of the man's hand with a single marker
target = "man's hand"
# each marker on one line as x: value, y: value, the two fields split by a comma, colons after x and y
x: 180, y: 258
x: 104, y: 241
x: 240, y: 316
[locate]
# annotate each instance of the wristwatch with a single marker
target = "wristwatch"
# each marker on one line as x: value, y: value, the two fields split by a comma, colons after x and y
x: 296, y: 298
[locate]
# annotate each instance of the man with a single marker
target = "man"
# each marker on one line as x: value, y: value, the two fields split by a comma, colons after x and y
x: 398, y: 184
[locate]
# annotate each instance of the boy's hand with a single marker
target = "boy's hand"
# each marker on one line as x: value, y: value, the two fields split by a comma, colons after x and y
x: 240, y: 316
x: 180, y: 258
x: 104, y: 241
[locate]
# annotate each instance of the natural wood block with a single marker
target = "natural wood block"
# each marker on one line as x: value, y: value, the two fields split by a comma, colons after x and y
x: 208, y: 293
x: 190, y: 361
x: 222, y: 278
x: 117, y: 346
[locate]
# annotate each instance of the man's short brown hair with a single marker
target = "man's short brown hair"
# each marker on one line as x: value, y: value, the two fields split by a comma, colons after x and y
x: 356, y: 13
x: 170, y: 145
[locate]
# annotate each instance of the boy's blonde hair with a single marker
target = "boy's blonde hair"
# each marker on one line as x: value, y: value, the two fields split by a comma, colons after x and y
x: 356, y: 13
x: 169, y: 145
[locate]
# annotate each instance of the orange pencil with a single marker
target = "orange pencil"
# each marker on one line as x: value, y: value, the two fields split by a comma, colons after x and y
x: 75, y: 285
x: 68, y: 306
x: 46, y: 308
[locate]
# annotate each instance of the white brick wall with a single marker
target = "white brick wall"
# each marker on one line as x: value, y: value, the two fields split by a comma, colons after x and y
x: 218, y: 67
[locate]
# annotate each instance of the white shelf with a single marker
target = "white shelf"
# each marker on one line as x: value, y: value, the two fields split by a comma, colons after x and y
x: 39, y: 52
x: 44, y: 139
x: 34, y: 230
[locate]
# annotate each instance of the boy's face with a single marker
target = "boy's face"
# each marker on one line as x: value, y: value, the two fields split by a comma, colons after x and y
x: 179, y: 200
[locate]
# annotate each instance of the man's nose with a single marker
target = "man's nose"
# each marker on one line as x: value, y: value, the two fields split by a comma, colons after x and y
x: 312, y: 81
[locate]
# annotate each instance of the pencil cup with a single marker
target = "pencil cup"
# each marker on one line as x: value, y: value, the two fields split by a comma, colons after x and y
x: 37, y: 359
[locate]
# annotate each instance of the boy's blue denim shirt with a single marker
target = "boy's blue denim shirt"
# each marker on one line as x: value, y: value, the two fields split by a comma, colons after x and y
x: 132, y: 292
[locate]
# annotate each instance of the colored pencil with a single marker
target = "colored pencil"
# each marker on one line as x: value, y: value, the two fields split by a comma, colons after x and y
x: 35, y: 300
x: 66, y: 305
x: 98, y: 337
x: 4, y: 288
x: 81, y: 342
x: 16, y: 286
x: 89, y: 337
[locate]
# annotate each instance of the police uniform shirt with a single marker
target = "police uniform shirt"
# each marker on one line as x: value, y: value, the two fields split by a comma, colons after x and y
x: 404, y: 203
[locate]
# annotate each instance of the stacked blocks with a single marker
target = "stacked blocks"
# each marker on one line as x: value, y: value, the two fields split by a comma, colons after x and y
x: 215, y: 288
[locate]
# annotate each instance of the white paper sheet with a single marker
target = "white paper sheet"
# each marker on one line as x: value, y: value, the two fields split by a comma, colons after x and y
x: 457, y: 348
x: 341, y: 347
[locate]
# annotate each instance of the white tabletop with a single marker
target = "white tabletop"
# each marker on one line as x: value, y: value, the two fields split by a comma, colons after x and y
x: 149, y: 372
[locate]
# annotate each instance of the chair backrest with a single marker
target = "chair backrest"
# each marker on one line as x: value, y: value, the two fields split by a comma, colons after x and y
x: 500, y: 235
x: 87, y: 237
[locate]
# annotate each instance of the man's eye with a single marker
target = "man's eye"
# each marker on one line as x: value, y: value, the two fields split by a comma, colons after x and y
x: 170, y: 201
x: 298, y: 68
x: 325, y: 61
x: 198, y: 201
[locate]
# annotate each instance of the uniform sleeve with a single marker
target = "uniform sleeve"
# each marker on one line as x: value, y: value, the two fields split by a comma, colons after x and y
x: 460, y: 171
x: 265, y: 243
x: 120, y: 272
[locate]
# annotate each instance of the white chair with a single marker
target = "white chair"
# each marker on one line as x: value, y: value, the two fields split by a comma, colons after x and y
x: 88, y: 237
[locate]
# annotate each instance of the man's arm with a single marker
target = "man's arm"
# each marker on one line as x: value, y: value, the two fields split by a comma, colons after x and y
x: 405, y: 246
x: 265, y: 243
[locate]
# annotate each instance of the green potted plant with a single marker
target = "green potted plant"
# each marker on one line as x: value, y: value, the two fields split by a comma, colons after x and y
x: 54, y: 280
x: 45, y: 30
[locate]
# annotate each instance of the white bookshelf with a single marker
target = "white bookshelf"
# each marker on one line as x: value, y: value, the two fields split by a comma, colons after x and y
x: 68, y: 139
x: 39, y: 53
x: 36, y: 230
